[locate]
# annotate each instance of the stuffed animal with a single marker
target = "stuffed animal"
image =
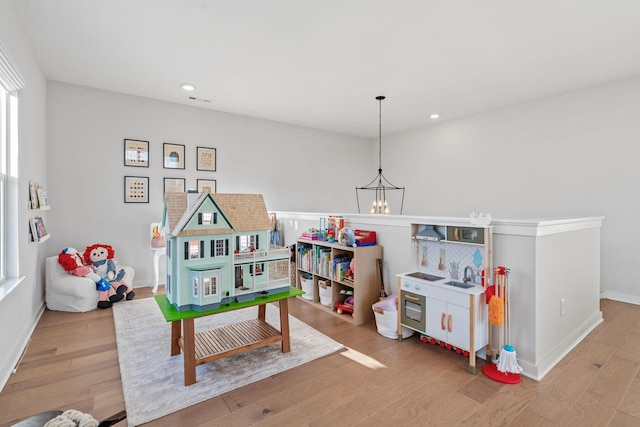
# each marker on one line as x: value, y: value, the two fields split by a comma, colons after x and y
x: 101, y: 259
x: 72, y: 262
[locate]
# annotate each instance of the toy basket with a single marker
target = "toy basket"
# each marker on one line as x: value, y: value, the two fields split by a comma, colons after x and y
x: 306, y: 283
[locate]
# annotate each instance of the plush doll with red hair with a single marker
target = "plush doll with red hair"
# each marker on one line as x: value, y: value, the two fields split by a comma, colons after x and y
x: 101, y: 259
x: 72, y: 262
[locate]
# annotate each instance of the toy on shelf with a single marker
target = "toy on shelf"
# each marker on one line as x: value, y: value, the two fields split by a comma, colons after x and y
x: 346, y: 306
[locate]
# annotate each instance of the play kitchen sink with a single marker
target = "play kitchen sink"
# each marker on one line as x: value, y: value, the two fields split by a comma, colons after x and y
x: 459, y: 284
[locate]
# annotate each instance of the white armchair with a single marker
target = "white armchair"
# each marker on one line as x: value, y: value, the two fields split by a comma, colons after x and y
x: 66, y: 292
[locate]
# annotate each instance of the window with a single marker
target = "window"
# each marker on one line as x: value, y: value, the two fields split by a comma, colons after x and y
x: 8, y: 183
x: 207, y: 218
x: 245, y: 243
x: 219, y: 247
x: 11, y: 81
x: 194, y: 249
x: 210, y: 286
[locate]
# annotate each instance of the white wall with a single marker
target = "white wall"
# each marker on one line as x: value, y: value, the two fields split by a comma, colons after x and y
x: 573, y: 155
x: 292, y: 167
x: 20, y: 309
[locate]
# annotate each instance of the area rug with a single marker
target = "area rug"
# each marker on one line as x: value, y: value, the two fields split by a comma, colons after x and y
x: 153, y: 381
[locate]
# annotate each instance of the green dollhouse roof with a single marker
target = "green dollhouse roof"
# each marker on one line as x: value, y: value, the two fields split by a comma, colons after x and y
x: 243, y: 212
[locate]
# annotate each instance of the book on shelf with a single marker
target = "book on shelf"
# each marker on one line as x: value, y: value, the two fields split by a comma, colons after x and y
x: 33, y: 195
x: 340, y: 266
x: 38, y: 230
x: 34, y: 231
x: 43, y: 200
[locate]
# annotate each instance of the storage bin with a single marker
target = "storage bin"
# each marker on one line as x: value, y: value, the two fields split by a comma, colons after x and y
x: 306, y: 282
x: 386, y: 314
x: 324, y: 288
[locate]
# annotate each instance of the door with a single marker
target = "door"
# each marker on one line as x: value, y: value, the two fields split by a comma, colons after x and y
x: 437, y: 319
x: 458, y: 330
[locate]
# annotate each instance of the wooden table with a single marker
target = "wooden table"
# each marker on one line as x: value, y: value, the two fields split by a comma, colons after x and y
x: 212, y: 344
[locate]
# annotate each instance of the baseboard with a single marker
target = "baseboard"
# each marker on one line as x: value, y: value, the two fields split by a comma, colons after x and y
x: 617, y: 296
x: 537, y: 372
x: 8, y: 368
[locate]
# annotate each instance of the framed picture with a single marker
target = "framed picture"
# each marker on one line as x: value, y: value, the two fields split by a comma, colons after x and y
x: 208, y: 185
x: 173, y: 155
x: 136, y: 189
x: 136, y: 153
x: 206, y: 159
x: 174, y: 185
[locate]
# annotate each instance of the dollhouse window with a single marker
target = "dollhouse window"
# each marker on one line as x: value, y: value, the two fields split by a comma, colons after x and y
x: 210, y: 286
x: 248, y: 242
x: 205, y: 283
x: 194, y: 249
x: 207, y: 218
x: 219, y: 247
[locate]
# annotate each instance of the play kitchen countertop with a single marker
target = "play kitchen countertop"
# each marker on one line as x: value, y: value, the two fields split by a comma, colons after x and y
x: 417, y: 284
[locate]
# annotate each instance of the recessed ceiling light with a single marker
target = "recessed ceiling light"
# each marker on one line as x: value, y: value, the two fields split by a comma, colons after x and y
x: 434, y: 116
x: 188, y: 86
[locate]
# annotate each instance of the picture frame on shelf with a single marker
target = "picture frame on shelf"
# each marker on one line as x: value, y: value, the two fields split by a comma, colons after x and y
x: 206, y: 159
x: 136, y: 153
x: 173, y: 156
x: 206, y: 185
x: 174, y: 185
x: 136, y: 189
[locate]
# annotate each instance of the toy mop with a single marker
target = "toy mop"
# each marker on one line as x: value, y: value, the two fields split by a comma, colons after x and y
x: 507, y: 369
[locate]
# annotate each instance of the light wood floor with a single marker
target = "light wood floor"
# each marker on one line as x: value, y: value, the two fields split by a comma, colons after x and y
x: 72, y: 362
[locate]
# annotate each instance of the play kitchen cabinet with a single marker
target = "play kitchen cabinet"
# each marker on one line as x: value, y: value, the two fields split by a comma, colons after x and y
x: 328, y: 264
x: 443, y: 297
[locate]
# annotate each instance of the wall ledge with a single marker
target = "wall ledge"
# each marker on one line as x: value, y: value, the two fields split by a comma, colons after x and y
x: 519, y: 227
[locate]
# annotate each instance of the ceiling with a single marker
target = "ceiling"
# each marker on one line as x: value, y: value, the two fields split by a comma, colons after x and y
x: 320, y: 64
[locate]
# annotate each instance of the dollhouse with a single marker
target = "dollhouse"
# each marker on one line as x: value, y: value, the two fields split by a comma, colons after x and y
x: 218, y: 250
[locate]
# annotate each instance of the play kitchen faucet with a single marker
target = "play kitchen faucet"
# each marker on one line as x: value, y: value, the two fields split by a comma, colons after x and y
x: 468, y: 275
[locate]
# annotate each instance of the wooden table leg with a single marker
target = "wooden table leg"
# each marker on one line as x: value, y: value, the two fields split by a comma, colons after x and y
x: 284, y: 324
x: 176, y: 332
x: 189, y: 352
x: 262, y: 309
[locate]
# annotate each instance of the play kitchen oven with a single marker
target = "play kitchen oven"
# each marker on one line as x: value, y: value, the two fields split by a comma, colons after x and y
x: 413, y: 293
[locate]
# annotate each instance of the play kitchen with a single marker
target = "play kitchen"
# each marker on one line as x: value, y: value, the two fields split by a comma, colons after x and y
x: 443, y: 297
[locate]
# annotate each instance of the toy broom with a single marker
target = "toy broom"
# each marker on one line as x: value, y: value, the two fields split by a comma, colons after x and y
x: 507, y: 370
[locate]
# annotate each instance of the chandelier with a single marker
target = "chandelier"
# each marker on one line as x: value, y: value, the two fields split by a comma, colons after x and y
x: 380, y: 185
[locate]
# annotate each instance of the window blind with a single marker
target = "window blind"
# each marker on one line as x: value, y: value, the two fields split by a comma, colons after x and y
x: 10, y: 76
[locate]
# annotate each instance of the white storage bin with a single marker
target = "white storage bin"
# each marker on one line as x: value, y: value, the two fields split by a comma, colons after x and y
x: 306, y: 282
x: 387, y: 318
x: 324, y: 288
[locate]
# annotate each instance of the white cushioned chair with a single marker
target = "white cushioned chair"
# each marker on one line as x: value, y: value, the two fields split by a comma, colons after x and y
x: 66, y: 292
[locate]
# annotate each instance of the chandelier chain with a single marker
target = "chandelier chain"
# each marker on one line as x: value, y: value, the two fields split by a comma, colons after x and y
x: 380, y: 133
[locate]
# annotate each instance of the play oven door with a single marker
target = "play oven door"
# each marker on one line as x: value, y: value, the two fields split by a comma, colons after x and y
x: 413, y: 311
